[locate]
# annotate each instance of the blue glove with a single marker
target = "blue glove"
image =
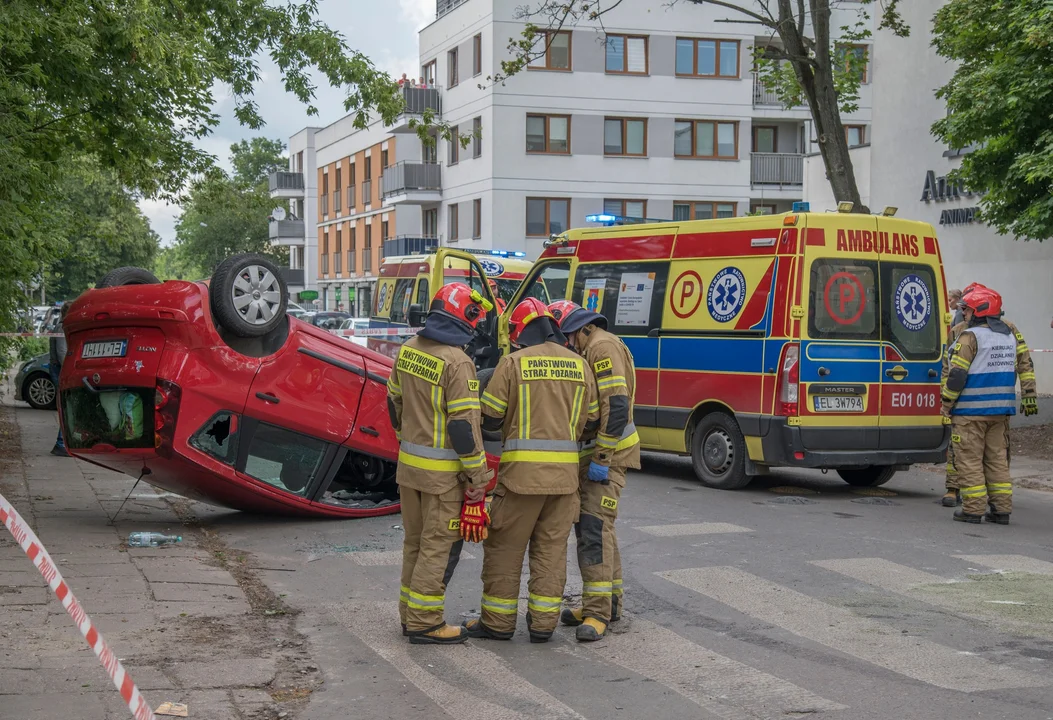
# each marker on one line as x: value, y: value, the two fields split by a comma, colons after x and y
x: 598, y: 473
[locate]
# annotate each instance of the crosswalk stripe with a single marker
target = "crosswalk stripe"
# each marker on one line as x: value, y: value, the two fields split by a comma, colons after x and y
x: 376, y: 625
x: 841, y: 630
x: 692, y: 529
x: 882, y: 573
x: 719, y: 685
x: 387, y: 558
x: 1013, y: 563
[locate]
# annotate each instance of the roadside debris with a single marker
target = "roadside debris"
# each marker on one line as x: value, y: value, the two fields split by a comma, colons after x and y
x: 152, y: 539
x: 172, y: 709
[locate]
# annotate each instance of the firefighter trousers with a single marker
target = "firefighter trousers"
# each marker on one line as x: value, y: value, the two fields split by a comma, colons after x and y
x: 599, y: 560
x: 981, y: 458
x: 430, y: 552
x: 540, y: 524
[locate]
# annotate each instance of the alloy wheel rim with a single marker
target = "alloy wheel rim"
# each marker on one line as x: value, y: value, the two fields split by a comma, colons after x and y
x: 256, y: 294
x: 42, y: 391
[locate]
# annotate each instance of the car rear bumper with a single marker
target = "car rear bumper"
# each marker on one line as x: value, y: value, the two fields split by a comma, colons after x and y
x: 785, y: 445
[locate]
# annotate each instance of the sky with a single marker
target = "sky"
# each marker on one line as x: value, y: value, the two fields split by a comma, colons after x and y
x: 385, y: 31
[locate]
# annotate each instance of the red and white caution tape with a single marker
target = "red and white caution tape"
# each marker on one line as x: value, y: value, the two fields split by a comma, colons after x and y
x: 377, y: 332
x: 35, y: 551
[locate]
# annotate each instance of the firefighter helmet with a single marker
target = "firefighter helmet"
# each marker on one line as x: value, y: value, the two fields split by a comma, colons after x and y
x: 983, y: 301
x: 460, y: 302
x: 525, y: 313
x: 573, y: 317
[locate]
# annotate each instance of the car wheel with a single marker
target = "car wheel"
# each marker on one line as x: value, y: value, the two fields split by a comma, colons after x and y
x: 718, y: 452
x: 127, y: 276
x: 870, y: 476
x: 248, y: 295
x: 39, y: 391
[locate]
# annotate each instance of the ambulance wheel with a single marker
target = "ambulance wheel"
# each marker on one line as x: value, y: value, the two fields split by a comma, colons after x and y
x: 248, y: 296
x: 718, y: 452
x: 870, y: 476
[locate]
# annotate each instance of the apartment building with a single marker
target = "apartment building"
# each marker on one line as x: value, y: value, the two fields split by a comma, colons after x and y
x: 654, y: 114
x: 295, y: 229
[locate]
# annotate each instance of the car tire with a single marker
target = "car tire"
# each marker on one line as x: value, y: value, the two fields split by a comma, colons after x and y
x: 39, y: 391
x: 870, y: 476
x: 127, y: 276
x: 718, y: 452
x: 248, y: 296
x: 484, y: 376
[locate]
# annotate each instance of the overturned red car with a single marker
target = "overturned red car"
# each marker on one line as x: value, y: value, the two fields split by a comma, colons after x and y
x: 211, y: 391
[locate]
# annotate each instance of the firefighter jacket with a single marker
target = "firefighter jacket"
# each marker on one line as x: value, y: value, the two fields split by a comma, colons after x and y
x: 433, y: 399
x: 542, y: 397
x: 616, y: 443
x: 984, y: 364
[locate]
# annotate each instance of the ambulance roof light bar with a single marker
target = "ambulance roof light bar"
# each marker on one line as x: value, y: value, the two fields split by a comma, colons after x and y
x: 608, y: 220
x: 800, y: 207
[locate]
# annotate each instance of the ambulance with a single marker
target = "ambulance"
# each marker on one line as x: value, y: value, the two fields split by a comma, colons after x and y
x: 809, y: 340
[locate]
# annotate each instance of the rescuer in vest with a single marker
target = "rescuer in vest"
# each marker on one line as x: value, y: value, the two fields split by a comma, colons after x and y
x: 979, y: 395
x: 541, y: 397
x: 433, y: 399
x: 603, y: 466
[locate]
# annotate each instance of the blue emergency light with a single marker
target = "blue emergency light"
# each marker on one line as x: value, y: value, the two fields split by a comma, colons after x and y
x: 799, y: 207
x: 605, y: 219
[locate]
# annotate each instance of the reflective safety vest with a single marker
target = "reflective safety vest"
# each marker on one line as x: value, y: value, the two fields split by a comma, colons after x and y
x: 990, y: 388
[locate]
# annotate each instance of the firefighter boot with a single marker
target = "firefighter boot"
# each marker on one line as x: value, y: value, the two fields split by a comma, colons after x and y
x: 993, y: 516
x: 442, y: 635
x: 590, y: 630
x: 962, y: 516
x: 475, y: 629
x: 571, y: 617
x: 537, y: 636
x: 951, y: 498
x: 616, y: 608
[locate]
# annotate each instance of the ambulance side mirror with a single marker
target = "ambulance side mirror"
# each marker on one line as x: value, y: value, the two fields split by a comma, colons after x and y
x: 416, y: 315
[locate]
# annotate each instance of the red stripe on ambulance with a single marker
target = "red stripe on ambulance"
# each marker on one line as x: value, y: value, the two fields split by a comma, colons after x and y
x: 650, y: 247
x: 646, y: 387
x: 687, y: 388
x: 738, y: 243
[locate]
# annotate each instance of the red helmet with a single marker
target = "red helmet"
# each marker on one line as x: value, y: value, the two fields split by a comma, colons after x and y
x: 461, y: 303
x: 983, y: 301
x: 573, y: 317
x: 525, y: 313
x: 561, y: 310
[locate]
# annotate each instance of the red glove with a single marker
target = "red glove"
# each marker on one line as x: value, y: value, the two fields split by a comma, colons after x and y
x: 474, y: 521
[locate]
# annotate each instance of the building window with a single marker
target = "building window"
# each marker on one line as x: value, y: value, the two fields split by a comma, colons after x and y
x: 625, y: 208
x: 431, y: 222
x: 707, y: 139
x: 547, y: 216
x: 765, y: 139
x: 427, y: 74
x: 477, y: 137
x: 352, y: 250
x: 625, y: 136
x: 368, y: 169
x: 707, y: 58
x: 339, y: 240
x: 761, y: 209
x: 325, y: 241
x: 702, y: 210
x: 627, y: 54
x: 383, y: 160
x: 455, y: 146
x: 477, y: 54
x: 558, y: 53
x: 853, y: 60
x: 384, y: 230
x: 451, y: 63
x: 855, y: 134
x: 548, y: 134
x: 453, y: 221
x: 337, y: 195
x: 477, y: 218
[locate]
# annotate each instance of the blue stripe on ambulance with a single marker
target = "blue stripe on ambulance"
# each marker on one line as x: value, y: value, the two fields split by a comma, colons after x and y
x: 644, y: 350
x: 741, y: 355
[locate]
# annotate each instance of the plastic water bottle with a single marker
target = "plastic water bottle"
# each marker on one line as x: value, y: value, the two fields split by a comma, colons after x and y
x: 152, y: 539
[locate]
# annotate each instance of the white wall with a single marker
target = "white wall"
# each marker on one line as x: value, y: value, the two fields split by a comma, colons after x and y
x: 820, y: 195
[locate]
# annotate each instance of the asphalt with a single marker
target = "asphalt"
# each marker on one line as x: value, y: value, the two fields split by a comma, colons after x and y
x: 798, y: 596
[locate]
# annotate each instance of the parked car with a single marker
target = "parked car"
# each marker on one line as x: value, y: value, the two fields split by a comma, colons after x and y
x: 212, y: 391
x: 328, y: 320
x: 33, y: 383
x: 355, y: 324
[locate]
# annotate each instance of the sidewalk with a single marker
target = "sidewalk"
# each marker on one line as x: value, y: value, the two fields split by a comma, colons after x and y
x: 178, y: 617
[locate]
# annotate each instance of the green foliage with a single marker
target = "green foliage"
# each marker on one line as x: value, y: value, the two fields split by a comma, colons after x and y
x: 227, y: 214
x: 29, y: 348
x: 174, y: 263
x: 1000, y: 105
x: 131, y: 83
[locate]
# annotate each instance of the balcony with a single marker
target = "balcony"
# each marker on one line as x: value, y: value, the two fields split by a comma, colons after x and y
x: 415, y: 183
x: 367, y: 191
x: 284, y: 184
x: 351, y: 199
x: 763, y: 97
x: 293, y: 277
x: 417, y: 100
x: 777, y: 169
x: 286, y: 232
x: 367, y: 260
x: 444, y: 6
x: 336, y: 201
x: 409, y: 244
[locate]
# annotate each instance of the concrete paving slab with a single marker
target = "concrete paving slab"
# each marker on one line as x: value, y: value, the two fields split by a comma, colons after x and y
x: 182, y: 570
x: 239, y: 672
x: 72, y: 571
x: 227, y: 608
x: 11, y: 595
x: 81, y: 705
x: 192, y: 592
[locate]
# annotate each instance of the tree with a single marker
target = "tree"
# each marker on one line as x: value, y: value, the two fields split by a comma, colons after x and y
x: 173, y: 263
x: 999, y: 105
x: 808, y: 64
x: 227, y: 214
x: 131, y: 83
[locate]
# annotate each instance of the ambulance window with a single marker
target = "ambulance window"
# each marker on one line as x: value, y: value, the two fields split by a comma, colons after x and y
x: 423, y: 297
x: 844, y: 301
x: 629, y: 295
x: 912, y: 313
x: 548, y: 283
x: 400, y: 300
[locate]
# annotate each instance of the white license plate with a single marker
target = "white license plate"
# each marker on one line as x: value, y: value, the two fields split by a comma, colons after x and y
x: 108, y: 349
x: 838, y: 403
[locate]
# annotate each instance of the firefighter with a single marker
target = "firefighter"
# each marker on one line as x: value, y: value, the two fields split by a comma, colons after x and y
x: 542, y: 398
x: 952, y: 496
x: 979, y: 395
x: 604, y: 462
x: 433, y: 399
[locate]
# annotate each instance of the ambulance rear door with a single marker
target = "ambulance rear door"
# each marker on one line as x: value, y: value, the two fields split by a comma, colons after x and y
x: 841, y: 360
